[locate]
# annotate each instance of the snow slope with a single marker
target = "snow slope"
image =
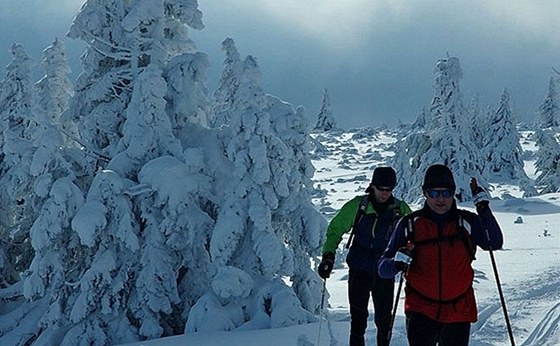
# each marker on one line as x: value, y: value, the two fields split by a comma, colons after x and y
x: 528, y: 265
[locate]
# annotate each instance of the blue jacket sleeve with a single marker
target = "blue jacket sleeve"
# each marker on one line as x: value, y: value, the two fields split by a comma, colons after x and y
x: 487, y: 232
x: 386, y: 266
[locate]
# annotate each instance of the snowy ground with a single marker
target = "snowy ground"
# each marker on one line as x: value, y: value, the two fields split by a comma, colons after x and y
x: 528, y: 265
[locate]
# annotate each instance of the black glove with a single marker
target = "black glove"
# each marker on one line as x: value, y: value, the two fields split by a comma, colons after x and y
x: 326, y: 265
x: 403, y: 257
x: 481, y: 198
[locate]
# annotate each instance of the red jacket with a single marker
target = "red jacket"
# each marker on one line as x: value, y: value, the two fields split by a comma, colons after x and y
x: 439, y: 280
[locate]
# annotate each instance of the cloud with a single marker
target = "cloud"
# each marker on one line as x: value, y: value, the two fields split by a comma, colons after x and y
x: 376, y: 57
x: 350, y: 23
x: 532, y: 17
x: 342, y: 21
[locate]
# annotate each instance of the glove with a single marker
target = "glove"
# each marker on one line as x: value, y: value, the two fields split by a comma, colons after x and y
x: 326, y: 265
x: 404, y: 257
x: 481, y: 198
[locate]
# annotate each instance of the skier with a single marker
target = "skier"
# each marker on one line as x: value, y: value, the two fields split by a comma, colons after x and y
x: 371, y: 218
x: 440, y: 303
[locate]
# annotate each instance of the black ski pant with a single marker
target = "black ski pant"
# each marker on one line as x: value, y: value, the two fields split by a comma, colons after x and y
x: 423, y: 331
x: 361, y: 285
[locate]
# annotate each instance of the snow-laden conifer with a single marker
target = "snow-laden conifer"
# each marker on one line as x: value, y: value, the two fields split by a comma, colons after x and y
x: 501, y: 149
x: 54, y: 90
x: 409, y: 152
x: 187, y: 95
x: 548, y: 162
x: 16, y: 96
x: 41, y: 186
x: 97, y: 310
x: 122, y: 38
x: 174, y: 261
x: 447, y: 138
x: 58, y: 257
x: 296, y: 218
x: 421, y: 120
x: 478, y: 122
x: 228, y: 84
x: 108, y: 295
x: 452, y: 142
x: 254, y: 241
x: 146, y: 132
x: 549, y: 110
x: 325, y: 118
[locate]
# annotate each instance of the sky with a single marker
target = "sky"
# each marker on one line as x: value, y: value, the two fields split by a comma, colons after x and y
x: 375, y: 57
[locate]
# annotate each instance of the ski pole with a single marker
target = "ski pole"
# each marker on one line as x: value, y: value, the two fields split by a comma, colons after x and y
x: 390, y: 333
x: 322, y: 310
x: 475, y: 189
x: 502, y: 300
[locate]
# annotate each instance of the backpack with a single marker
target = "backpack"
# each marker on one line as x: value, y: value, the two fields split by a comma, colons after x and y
x: 463, y: 233
x: 397, y: 214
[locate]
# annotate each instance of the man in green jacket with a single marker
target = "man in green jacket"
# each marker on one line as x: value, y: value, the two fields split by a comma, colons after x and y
x: 371, y: 218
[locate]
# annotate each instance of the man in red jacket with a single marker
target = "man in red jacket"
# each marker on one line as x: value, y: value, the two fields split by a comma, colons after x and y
x: 440, y: 303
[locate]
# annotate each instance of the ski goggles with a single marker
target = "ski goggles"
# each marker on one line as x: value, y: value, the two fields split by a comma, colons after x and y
x: 432, y: 193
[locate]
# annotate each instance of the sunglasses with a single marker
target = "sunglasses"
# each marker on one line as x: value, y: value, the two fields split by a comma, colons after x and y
x: 384, y: 189
x: 439, y: 193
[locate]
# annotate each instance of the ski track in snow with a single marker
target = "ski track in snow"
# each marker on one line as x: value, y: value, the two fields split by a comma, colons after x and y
x: 545, y: 329
x: 538, y: 302
x: 546, y: 291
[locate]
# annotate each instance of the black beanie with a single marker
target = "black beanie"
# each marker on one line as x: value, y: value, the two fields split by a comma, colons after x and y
x: 383, y: 176
x: 438, y: 175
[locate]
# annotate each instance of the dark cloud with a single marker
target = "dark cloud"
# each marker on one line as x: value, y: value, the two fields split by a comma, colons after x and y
x: 376, y: 58
x: 381, y: 71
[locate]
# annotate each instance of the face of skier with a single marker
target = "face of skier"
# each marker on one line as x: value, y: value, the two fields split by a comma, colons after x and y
x: 382, y: 193
x: 439, y: 200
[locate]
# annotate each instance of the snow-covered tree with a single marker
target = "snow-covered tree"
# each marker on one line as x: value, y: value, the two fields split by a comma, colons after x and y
x: 170, y: 222
x: 549, y: 110
x: 15, y: 192
x: 95, y: 311
x: 224, y: 95
x: 296, y: 218
x: 147, y: 131
x: 409, y: 152
x: 548, y: 162
x: 119, y: 46
x: 16, y: 96
x: 121, y: 107
x: 255, y: 236
x: 187, y: 95
x: 16, y: 109
x: 478, y: 122
x: 16, y: 149
x: 447, y: 138
x: 421, y: 120
x: 325, y: 118
x: 41, y: 175
x: 174, y: 259
x: 501, y: 148
x: 54, y: 90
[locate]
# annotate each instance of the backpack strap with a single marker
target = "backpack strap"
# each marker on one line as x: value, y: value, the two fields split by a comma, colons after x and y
x: 409, y: 227
x: 359, y: 214
x: 397, y: 215
x: 463, y: 233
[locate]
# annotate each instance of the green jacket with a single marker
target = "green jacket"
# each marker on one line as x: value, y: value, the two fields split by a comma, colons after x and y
x: 371, y: 234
